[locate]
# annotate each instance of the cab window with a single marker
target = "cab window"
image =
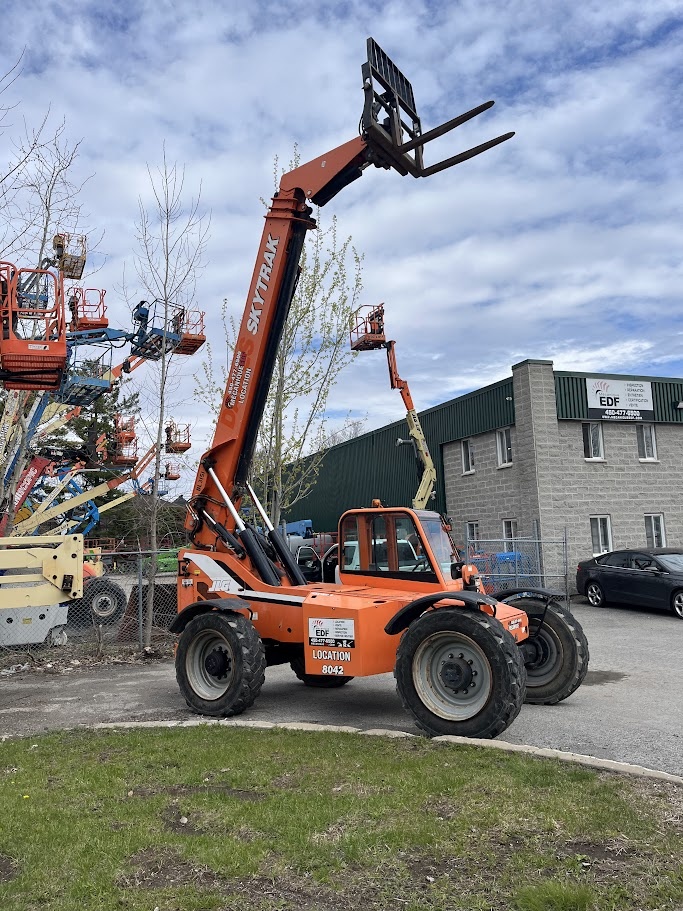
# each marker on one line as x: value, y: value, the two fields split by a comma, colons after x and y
x: 388, y: 545
x: 349, y: 549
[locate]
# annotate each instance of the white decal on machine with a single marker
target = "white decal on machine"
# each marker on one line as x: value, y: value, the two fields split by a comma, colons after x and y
x: 220, y: 581
x: 262, y: 284
x: 337, y: 632
x: 325, y: 655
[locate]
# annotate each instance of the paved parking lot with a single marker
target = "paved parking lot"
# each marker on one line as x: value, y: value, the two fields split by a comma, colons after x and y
x: 629, y: 709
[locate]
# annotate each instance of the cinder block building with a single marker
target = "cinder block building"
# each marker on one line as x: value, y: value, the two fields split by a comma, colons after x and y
x: 539, y: 456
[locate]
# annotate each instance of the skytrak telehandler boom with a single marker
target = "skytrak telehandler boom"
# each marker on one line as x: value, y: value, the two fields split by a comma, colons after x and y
x: 367, y: 334
x: 242, y: 599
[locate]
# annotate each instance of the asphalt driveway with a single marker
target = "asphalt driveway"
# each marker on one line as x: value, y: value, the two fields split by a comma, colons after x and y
x: 629, y: 709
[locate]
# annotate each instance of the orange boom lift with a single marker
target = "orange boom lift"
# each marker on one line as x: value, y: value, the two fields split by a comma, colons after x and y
x: 405, y: 603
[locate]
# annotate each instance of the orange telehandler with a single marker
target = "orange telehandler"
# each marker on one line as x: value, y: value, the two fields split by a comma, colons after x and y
x: 464, y: 661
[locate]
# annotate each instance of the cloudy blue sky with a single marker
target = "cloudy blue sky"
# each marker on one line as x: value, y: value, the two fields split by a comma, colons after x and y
x: 564, y: 243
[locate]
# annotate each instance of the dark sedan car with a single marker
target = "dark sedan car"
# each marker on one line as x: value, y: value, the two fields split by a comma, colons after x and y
x: 649, y: 577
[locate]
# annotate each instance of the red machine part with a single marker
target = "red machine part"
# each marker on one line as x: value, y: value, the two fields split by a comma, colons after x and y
x: 171, y: 472
x: 88, y: 310
x: 177, y: 437
x: 124, y: 446
x: 189, y: 324
x: 32, y: 328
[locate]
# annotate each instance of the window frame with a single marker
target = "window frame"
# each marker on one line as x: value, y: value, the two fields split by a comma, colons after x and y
x: 662, y: 529
x: 509, y: 540
x: 640, y: 435
x: 472, y: 539
x: 504, y: 447
x: 608, y: 520
x: 466, y: 446
x: 588, y: 441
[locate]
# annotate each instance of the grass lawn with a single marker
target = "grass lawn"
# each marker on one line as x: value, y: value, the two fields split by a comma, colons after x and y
x: 225, y: 819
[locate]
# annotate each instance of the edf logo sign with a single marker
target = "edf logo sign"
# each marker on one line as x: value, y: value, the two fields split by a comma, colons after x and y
x: 600, y: 391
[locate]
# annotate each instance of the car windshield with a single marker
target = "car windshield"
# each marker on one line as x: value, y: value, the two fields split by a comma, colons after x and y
x: 674, y: 562
x: 440, y: 543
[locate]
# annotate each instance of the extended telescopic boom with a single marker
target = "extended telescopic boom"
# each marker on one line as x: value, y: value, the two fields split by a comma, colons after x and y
x: 391, y: 137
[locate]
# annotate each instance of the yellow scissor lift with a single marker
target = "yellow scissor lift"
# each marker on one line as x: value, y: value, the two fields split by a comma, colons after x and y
x: 39, y: 578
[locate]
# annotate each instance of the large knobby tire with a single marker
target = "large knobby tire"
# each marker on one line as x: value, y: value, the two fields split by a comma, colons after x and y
x: 556, y: 659
x: 677, y: 604
x: 103, y: 602
x: 322, y: 681
x: 220, y: 664
x: 460, y: 672
x: 595, y: 594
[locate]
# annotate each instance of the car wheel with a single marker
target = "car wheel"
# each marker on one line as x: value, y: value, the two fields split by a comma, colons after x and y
x: 677, y: 604
x: 595, y: 594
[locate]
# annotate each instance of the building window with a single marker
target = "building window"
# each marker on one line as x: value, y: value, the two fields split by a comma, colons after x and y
x: 655, y: 535
x: 509, y: 534
x: 592, y: 441
x: 647, y: 444
x: 467, y: 457
x: 472, y: 532
x: 504, y: 444
x: 601, y: 534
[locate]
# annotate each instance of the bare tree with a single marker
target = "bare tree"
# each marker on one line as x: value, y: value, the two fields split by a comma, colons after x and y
x: 171, y: 235
x: 25, y: 143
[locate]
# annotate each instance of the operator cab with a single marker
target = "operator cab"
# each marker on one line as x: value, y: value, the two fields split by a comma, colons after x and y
x: 396, y: 544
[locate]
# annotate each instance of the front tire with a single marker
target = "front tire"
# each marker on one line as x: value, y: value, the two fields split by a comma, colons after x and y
x: 460, y: 672
x: 595, y: 594
x: 220, y: 664
x: 677, y: 604
x: 555, y: 654
x: 323, y: 682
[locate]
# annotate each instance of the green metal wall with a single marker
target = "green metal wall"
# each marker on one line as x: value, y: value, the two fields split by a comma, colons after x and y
x: 372, y: 466
x: 572, y: 399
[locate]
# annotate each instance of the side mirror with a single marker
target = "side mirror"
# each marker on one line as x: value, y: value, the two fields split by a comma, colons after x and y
x: 456, y: 570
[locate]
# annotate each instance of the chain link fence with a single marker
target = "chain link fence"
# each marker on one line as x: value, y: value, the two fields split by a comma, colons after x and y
x: 520, y: 562
x: 108, y: 621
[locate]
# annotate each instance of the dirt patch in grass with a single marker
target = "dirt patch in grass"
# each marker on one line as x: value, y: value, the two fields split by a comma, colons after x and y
x: 177, y: 822
x: 285, y: 892
x: 665, y: 796
x: 165, y: 869
x: 187, y: 790
x: 8, y: 869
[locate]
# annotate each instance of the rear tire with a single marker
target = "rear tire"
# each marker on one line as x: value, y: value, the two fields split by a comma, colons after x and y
x: 220, y: 664
x: 323, y: 682
x: 459, y: 672
x: 677, y: 604
x: 595, y: 594
x: 556, y: 660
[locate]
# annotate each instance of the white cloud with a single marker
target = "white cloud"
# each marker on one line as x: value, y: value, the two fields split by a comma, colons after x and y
x: 563, y: 243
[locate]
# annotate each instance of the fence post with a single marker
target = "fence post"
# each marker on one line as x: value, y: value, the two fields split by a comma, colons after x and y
x: 565, y: 554
x: 140, y: 601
